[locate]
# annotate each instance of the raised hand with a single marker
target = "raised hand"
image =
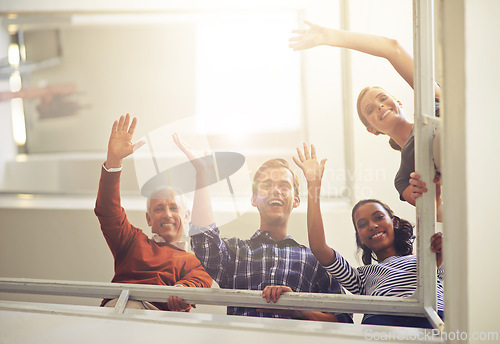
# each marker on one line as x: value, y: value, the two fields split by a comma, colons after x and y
x: 201, y: 162
x: 309, y: 38
x: 120, y: 141
x: 202, y: 214
x: 308, y: 163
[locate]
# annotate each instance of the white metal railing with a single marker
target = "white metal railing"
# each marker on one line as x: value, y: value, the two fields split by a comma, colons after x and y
x: 216, y: 296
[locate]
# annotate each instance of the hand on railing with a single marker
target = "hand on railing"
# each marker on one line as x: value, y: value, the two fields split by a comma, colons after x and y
x: 176, y: 304
x: 418, y: 188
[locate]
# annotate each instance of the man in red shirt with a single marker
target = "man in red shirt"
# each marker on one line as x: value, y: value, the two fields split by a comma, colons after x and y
x: 159, y: 260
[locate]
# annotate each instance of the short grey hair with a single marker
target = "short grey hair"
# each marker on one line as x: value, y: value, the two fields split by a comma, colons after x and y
x: 166, y: 192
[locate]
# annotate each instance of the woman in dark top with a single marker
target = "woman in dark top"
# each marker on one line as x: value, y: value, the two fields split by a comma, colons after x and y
x: 380, y: 112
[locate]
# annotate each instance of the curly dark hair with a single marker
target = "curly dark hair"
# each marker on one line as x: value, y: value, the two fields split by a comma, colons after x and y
x: 403, y: 233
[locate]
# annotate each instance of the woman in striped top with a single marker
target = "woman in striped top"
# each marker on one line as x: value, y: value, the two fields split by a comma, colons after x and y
x: 382, y: 236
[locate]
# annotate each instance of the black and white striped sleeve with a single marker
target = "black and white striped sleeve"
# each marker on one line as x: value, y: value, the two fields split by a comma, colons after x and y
x: 345, y: 274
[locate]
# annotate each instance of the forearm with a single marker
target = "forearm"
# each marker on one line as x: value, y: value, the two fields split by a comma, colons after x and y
x: 113, y: 162
x: 197, y: 277
x: 366, y: 43
x: 374, y: 45
x: 316, y: 316
x: 439, y: 204
x: 315, y: 228
x: 202, y: 215
x: 113, y: 159
x: 211, y: 251
x: 408, y: 196
x: 108, y: 196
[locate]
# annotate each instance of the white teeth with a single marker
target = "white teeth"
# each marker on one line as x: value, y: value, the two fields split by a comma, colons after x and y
x: 385, y: 114
x: 275, y: 202
x: 378, y: 235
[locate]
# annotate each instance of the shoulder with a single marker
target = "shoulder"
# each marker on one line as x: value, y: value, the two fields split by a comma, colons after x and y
x: 409, y: 146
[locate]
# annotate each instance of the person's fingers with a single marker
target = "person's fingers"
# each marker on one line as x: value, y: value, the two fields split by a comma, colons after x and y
x: 276, y: 294
x: 301, y: 156
x: 268, y: 295
x: 299, y: 31
x: 175, y: 303
x: 131, y: 129
x: 265, y: 294
x: 119, y: 127
x: 313, y: 152
x: 297, y: 162
x: 126, y: 123
x: 177, y: 141
x: 417, y: 183
x: 181, y: 304
x: 437, y: 237
x: 138, y: 145
x: 114, y: 127
x: 182, y: 145
x: 308, y: 23
x: 437, y: 242
x: 295, y: 38
x: 415, y: 175
x: 323, y: 163
x: 306, y: 151
x: 170, y: 304
x: 281, y: 290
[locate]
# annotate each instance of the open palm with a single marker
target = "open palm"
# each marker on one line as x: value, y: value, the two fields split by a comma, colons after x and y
x: 120, y: 140
x: 306, y: 39
x: 308, y: 163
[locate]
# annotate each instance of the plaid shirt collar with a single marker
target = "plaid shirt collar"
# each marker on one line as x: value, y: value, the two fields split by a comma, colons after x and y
x: 265, y: 237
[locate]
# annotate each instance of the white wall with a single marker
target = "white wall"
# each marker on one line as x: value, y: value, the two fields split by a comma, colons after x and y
x: 483, y: 163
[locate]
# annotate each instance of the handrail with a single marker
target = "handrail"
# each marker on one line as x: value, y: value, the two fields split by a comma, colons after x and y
x: 216, y: 296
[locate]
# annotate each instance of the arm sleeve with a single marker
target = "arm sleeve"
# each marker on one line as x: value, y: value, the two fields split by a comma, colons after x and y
x: 193, y: 274
x: 335, y: 288
x: 345, y: 274
x: 115, y: 227
x: 440, y: 272
x: 212, y: 252
x: 402, y: 179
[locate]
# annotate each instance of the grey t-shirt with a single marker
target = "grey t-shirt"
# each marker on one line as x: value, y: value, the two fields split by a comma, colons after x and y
x: 402, y: 179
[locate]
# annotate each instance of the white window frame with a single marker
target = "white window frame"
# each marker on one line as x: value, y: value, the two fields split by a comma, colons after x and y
x: 422, y: 303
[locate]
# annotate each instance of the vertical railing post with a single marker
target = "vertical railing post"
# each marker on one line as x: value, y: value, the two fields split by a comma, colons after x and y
x: 423, y: 85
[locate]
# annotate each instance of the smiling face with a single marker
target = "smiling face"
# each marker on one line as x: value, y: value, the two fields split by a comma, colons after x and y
x: 379, y: 111
x: 274, y: 195
x: 375, y: 229
x: 166, y: 215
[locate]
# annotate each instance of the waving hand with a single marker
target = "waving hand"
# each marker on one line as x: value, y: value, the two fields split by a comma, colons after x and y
x: 120, y: 141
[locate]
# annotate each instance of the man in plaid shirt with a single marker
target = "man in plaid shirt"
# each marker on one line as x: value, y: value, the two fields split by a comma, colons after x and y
x: 271, y: 260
